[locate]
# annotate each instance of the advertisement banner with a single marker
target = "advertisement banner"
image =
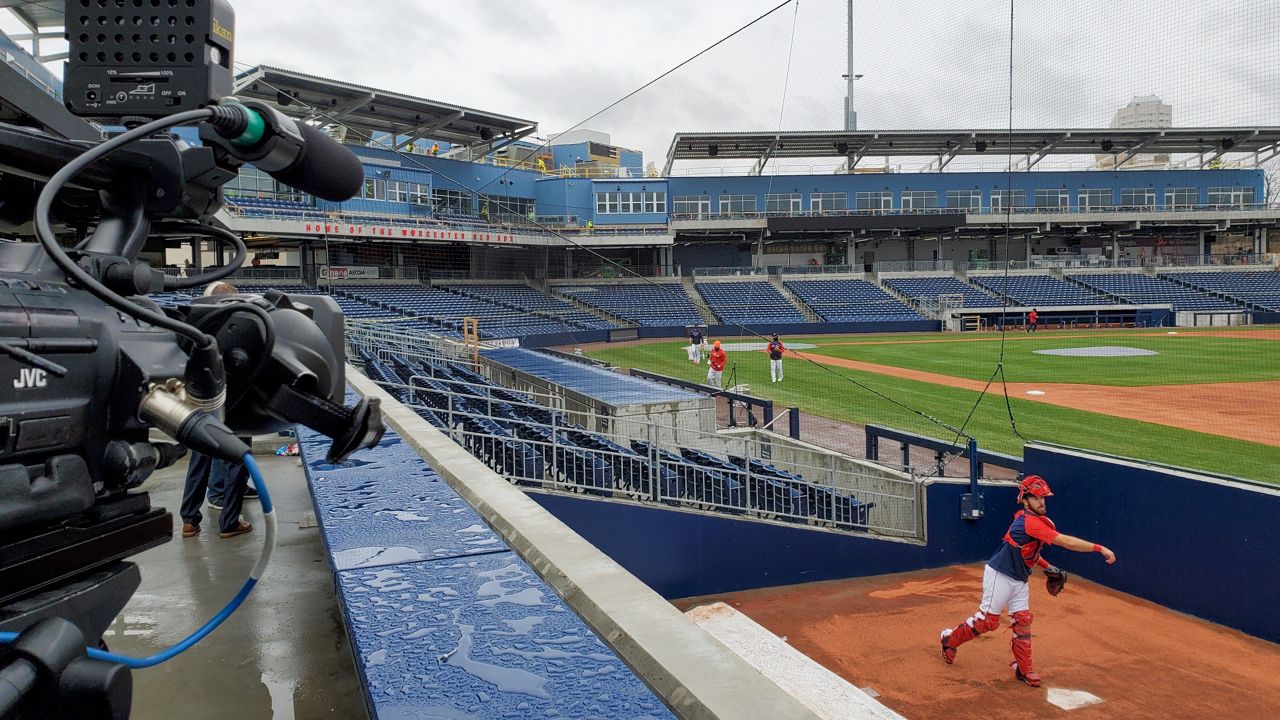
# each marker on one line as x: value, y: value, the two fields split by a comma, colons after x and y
x: 348, y: 272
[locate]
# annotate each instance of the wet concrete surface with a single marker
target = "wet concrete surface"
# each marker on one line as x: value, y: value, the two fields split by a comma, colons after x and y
x: 282, y: 656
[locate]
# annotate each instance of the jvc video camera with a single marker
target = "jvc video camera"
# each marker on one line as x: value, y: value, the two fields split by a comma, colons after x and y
x: 92, y: 372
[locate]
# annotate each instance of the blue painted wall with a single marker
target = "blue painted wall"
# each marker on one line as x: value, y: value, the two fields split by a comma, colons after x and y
x: 1202, y: 547
x: 560, y: 197
x: 985, y: 182
x: 435, y: 172
x: 568, y: 156
x: 631, y: 186
x: 683, y: 554
x: 576, y: 197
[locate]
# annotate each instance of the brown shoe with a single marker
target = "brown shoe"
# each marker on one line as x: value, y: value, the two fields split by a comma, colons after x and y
x: 189, y: 530
x: 239, y: 529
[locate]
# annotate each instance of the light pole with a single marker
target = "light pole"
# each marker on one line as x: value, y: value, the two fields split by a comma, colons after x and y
x: 850, y: 115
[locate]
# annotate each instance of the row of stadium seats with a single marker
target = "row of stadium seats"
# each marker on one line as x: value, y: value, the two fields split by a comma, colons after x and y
x: 516, y: 310
x: 1140, y: 289
x: 447, y: 306
x: 851, y: 301
x: 527, y: 299
x: 933, y: 287
x: 1261, y: 288
x: 536, y: 446
x: 274, y: 208
x: 748, y: 303
x: 653, y: 305
x: 1040, y: 290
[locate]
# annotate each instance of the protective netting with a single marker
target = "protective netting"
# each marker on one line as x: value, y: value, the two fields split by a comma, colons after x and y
x: 1199, y: 388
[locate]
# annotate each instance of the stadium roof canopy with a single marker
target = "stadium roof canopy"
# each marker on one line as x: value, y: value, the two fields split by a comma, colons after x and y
x: 43, y: 21
x: 1034, y: 145
x: 369, y: 110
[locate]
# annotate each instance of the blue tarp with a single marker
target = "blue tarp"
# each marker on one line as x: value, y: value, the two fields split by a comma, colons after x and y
x: 604, y: 385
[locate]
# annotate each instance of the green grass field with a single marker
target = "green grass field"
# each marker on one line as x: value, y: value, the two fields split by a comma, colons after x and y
x: 842, y: 394
x: 1181, y: 359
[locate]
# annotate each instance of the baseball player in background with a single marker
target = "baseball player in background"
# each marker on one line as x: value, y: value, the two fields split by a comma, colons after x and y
x: 695, y: 346
x: 775, y: 350
x: 1004, y: 579
x: 715, y: 369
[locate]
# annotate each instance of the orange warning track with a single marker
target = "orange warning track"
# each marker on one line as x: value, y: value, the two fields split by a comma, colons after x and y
x: 1244, y: 411
x: 1143, y: 660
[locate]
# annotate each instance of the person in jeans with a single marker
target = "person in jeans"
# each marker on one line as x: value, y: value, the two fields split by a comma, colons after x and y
x: 199, y: 470
x: 209, y: 477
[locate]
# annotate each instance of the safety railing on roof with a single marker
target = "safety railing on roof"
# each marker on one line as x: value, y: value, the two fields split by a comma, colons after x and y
x: 973, y: 210
x: 534, y: 441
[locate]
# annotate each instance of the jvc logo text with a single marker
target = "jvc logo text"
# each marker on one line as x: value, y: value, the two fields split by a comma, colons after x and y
x: 30, y: 378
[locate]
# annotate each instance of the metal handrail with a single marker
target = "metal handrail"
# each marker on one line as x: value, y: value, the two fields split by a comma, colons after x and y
x: 897, y: 498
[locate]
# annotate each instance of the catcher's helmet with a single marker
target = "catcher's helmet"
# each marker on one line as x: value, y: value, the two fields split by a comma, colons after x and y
x: 1034, y: 485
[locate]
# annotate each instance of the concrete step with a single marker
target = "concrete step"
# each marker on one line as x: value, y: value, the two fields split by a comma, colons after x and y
x: 691, y: 289
x: 929, y: 311
x: 602, y: 314
x: 828, y: 695
x: 795, y: 300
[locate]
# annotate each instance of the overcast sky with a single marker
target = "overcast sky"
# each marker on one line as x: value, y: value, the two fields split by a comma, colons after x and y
x: 927, y: 63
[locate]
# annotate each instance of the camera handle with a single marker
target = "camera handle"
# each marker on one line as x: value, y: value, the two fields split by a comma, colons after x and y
x: 47, y: 668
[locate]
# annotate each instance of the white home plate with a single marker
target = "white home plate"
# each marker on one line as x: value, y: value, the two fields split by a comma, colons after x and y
x: 1098, y: 351
x: 1035, y: 392
x: 750, y: 346
x: 1072, y: 699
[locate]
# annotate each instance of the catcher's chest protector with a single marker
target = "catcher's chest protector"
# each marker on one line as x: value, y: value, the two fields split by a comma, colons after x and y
x: 1030, y: 547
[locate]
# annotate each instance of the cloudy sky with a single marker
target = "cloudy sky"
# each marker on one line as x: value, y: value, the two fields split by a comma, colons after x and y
x: 927, y: 63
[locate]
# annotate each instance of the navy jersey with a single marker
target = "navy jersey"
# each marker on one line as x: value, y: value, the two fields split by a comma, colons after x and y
x: 1020, y: 550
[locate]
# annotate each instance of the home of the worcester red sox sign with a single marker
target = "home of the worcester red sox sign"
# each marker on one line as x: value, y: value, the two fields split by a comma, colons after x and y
x: 407, y: 232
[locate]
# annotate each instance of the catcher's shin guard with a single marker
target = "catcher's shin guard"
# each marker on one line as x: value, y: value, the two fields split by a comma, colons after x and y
x: 964, y: 632
x: 1021, y: 646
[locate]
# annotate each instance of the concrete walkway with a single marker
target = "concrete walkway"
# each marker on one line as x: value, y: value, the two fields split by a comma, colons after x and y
x: 282, y: 656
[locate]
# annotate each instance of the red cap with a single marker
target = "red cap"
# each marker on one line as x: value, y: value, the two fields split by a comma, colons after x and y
x: 1034, y: 485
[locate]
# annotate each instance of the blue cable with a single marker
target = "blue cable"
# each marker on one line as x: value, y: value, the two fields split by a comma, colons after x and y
x: 268, y: 512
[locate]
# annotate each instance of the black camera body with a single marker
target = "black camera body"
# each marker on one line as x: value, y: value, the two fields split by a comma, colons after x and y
x: 92, y: 371
x: 147, y: 59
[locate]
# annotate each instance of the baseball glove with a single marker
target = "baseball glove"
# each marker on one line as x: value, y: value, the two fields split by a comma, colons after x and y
x: 1054, y: 579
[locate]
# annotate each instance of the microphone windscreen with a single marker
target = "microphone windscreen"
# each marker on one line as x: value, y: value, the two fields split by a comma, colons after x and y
x: 325, y: 168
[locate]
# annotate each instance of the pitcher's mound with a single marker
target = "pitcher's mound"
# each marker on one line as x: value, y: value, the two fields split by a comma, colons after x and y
x: 1098, y: 351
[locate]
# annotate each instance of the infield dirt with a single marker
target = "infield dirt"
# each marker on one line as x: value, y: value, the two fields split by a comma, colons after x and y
x: 1142, y: 660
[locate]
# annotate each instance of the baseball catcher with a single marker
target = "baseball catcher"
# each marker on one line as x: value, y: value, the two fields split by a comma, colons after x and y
x: 1005, y: 578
